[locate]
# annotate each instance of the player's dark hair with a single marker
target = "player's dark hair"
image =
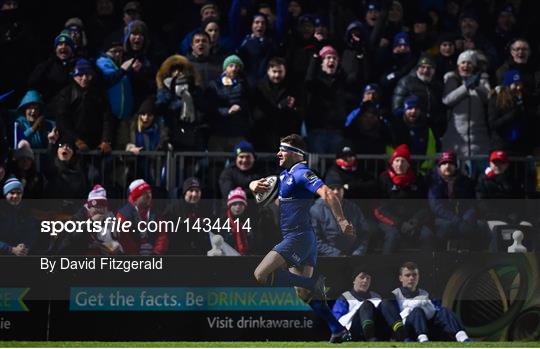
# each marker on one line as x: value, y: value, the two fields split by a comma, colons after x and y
x: 408, y: 265
x: 200, y: 33
x: 295, y: 140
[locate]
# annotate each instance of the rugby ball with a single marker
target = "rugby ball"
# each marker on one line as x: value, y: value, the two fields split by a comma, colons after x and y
x: 270, y: 195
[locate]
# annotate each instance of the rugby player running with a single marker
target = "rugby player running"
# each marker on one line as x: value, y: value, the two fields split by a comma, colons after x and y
x: 298, y: 249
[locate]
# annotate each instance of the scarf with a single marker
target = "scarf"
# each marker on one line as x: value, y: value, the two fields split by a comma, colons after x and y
x: 402, y: 180
x: 347, y: 165
x: 148, y: 138
x: 239, y: 234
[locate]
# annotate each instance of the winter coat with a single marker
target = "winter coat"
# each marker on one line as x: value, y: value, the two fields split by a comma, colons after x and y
x: 467, y: 130
x: 119, y: 88
x: 190, y: 241
x: 65, y: 179
x: 255, y: 53
x: 17, y: 226
x: 231, y: 177
x: 460, y: 205
x: 360, y: 184
x: 500, y: 196
x: 209, y: 68
x: 51, y: 76
x: 330, y: 239
x: 84, y: 114
x: 272, y: 116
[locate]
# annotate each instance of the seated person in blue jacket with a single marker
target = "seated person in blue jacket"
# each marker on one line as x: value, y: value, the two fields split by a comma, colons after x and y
x: 365, y: 314
x: 422, y: 318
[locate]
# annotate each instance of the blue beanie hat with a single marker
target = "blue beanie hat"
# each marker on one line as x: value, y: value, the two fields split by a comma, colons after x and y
x: 511, y: 76
x: 411, y: 102
x: 371, y: 87
x: 12, y: 183
x: 244, y: 147
x: 83, y: 66
x: 64, y: 38
x: 401, y: 38
x: 232, y: 59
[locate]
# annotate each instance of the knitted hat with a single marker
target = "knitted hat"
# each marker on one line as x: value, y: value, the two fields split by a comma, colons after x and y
x: 237, y: 195
x: 321, y: 21
x: 207, y: 6
x: 74, y: 24
x: 137, y: 188
x: 499, y: 155
x: 189, y: 183
x: 83, y: 66
x: 24, y: 150
x: 64, y: 38
x: 447, y: 157
x: 148, y: 106
x: 335, y: 182
x: 132, y: 6
x: 345, y: 151
x: 469, y: 56
x: 12, y: 183
x: 232, y: 59
x: 373, y: 6
x: 411, y: 102
x: 426, y: 60
x: 401, y: 38
x: 97, y: 197
x: 243, y: 147
x: 511, y: 76
x: 371, y: 87
x: 402, y: 151
x: 328, y: 50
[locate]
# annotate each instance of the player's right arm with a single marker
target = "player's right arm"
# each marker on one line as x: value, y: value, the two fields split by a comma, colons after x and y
x: 259, y: 186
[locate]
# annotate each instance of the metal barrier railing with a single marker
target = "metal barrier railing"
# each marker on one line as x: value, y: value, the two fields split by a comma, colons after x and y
x: 170, y: 169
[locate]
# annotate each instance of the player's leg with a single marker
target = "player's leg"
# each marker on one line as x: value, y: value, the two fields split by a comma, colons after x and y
x: 448, y: 322
x: 319, y: 306
x: 271, y: 271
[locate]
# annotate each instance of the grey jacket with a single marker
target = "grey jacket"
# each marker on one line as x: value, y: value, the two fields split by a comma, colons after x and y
x: 467, y: 132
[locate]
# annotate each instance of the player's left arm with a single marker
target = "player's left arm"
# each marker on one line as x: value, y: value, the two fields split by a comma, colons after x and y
x: 335, y: 206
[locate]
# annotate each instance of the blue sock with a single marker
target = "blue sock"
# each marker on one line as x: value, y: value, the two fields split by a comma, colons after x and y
x: 283, y: 278
x: 323, y: 311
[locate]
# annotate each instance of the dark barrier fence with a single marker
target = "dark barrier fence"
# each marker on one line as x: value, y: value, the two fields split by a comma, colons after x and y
x: 169, y: 169
x: 497, y: 297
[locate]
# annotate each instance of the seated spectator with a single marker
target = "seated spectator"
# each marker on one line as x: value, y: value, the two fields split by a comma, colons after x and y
x: 208, y: 65
x: 466, y: 92
x: 420, y: 82
x: 244, y: 170
x: 519, y: 58
x: 276, y: 108
x: 65, y: 174
x: 402, y: 61
x: 451, y: 199
x: 116, y: 75
x: 326, y: 85
x: 52, y: 75
x: 422, y: 319
x: 511, y: 116
x: 32, y: 125
x: 256, y: 49
x: 360, y: 310
x: 471, y: 38
x: 230, y: 119
x: 412, y: 128
x: 23, y: 167
x: 18, y: 229
x: 74, y: 27
x: 95, y: 241
x: 179, y: 101
x: 501, y: 197
x: 192, y: 207
x: 358, y: 183
x: 147, y: 133
x: 141, y: 241
x: 242, y: 235
x: 401, y: 215
x: 83, y: 111
x: 330, y: 240
x: 446, y: 59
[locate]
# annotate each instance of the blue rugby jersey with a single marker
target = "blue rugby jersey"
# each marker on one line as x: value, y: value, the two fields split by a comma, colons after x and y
x: 296, y: 188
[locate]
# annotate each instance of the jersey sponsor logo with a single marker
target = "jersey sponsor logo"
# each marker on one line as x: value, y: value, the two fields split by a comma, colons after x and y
x: 290, y: 181
x: 310, y: 176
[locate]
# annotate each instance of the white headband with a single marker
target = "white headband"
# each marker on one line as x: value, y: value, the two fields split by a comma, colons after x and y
x: 292, y: 149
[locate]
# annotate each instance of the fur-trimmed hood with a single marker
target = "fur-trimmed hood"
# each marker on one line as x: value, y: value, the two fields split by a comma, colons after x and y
x: 187, y: 68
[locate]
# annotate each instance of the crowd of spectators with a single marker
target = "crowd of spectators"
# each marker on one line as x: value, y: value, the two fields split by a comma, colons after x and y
x: 448, y: 80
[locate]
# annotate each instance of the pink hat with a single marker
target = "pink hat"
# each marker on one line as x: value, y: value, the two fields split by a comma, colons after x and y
x: 237, y: 195
x: 97, y: 197
x: 137, y: 188
x: 328, y: 50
